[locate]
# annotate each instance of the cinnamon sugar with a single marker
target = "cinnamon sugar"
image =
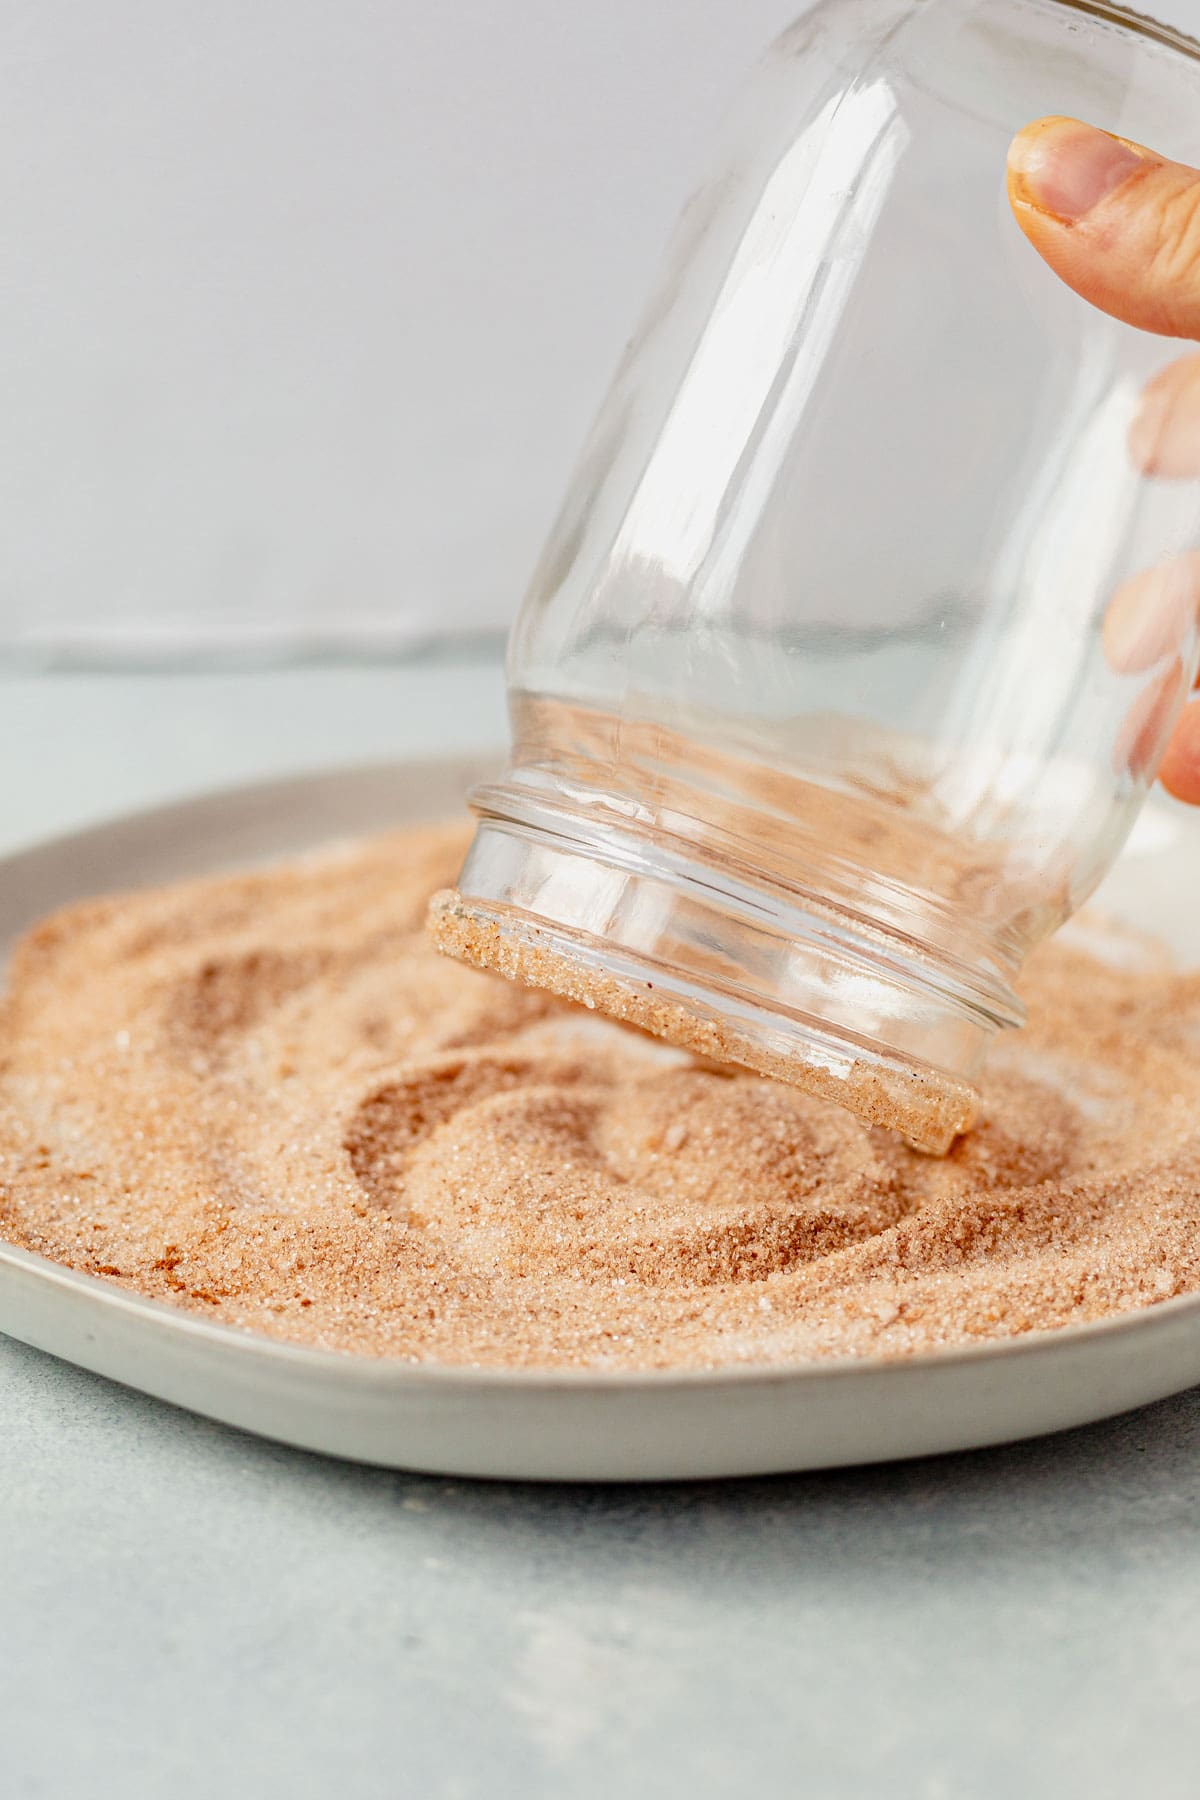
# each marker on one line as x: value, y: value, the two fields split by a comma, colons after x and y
x: 266, y: 1099
x: 929, y: 1108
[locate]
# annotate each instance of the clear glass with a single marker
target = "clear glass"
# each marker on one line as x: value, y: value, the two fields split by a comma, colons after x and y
x: 814, y: 735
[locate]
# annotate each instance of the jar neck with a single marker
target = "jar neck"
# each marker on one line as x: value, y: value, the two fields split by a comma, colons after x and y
x: 639, y: 910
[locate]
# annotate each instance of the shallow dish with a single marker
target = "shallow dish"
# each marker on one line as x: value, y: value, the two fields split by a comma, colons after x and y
x: 563, y: 1425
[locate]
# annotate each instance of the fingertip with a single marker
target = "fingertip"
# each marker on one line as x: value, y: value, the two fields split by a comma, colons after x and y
x: 1146, y: 431
x: 1112, y: 220
x: 1179, y: 770
x: 1023, y: 158
x: 1152, y: 615
x: 1063, y: 168
x: 1164, y: 434
x: 1026, y: 145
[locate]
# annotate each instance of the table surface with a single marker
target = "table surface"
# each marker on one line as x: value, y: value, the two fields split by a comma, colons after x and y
x: 188, y: 1611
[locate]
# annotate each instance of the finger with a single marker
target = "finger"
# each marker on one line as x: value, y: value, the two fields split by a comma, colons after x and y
x: 1119, y: 223
x: 1179, y: 770
x: 1142, y: 740
x: 1164, y: 438
x: 1152, y: 615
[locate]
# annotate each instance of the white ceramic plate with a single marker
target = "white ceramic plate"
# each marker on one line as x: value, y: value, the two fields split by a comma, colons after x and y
x: 602, y: 1426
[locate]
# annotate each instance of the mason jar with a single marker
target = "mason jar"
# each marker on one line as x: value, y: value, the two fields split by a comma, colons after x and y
x: 814, y: 734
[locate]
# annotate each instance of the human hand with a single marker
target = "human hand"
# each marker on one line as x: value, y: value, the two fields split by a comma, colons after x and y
x: 1121, y: 225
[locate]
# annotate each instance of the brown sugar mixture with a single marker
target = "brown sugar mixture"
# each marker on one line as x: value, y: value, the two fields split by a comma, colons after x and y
x: 265, y: 1098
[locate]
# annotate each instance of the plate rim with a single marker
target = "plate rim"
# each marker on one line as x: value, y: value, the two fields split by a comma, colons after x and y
x: 161, y: 1315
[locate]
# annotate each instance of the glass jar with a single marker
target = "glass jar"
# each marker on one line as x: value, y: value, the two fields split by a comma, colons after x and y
x: 814, y: 736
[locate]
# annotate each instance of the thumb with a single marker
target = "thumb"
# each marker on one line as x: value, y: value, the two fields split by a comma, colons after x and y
x: 1118, y: 223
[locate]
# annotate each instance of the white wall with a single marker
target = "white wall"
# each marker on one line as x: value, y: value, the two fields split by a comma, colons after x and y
x: 304, y: 304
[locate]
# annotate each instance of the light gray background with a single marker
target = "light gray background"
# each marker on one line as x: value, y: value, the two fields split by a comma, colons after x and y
x: 305, y: 306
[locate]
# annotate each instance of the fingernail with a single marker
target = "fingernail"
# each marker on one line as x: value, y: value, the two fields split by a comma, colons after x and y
x: 1180, y: 767
x: 1152, y: 614
x: 1141, y: 739
x: 1125, y: 634
x: 1065, y: 167
x: 1148, y: 426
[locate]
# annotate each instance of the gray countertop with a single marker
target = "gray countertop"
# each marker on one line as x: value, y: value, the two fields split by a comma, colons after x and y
x: 187, y: 1611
